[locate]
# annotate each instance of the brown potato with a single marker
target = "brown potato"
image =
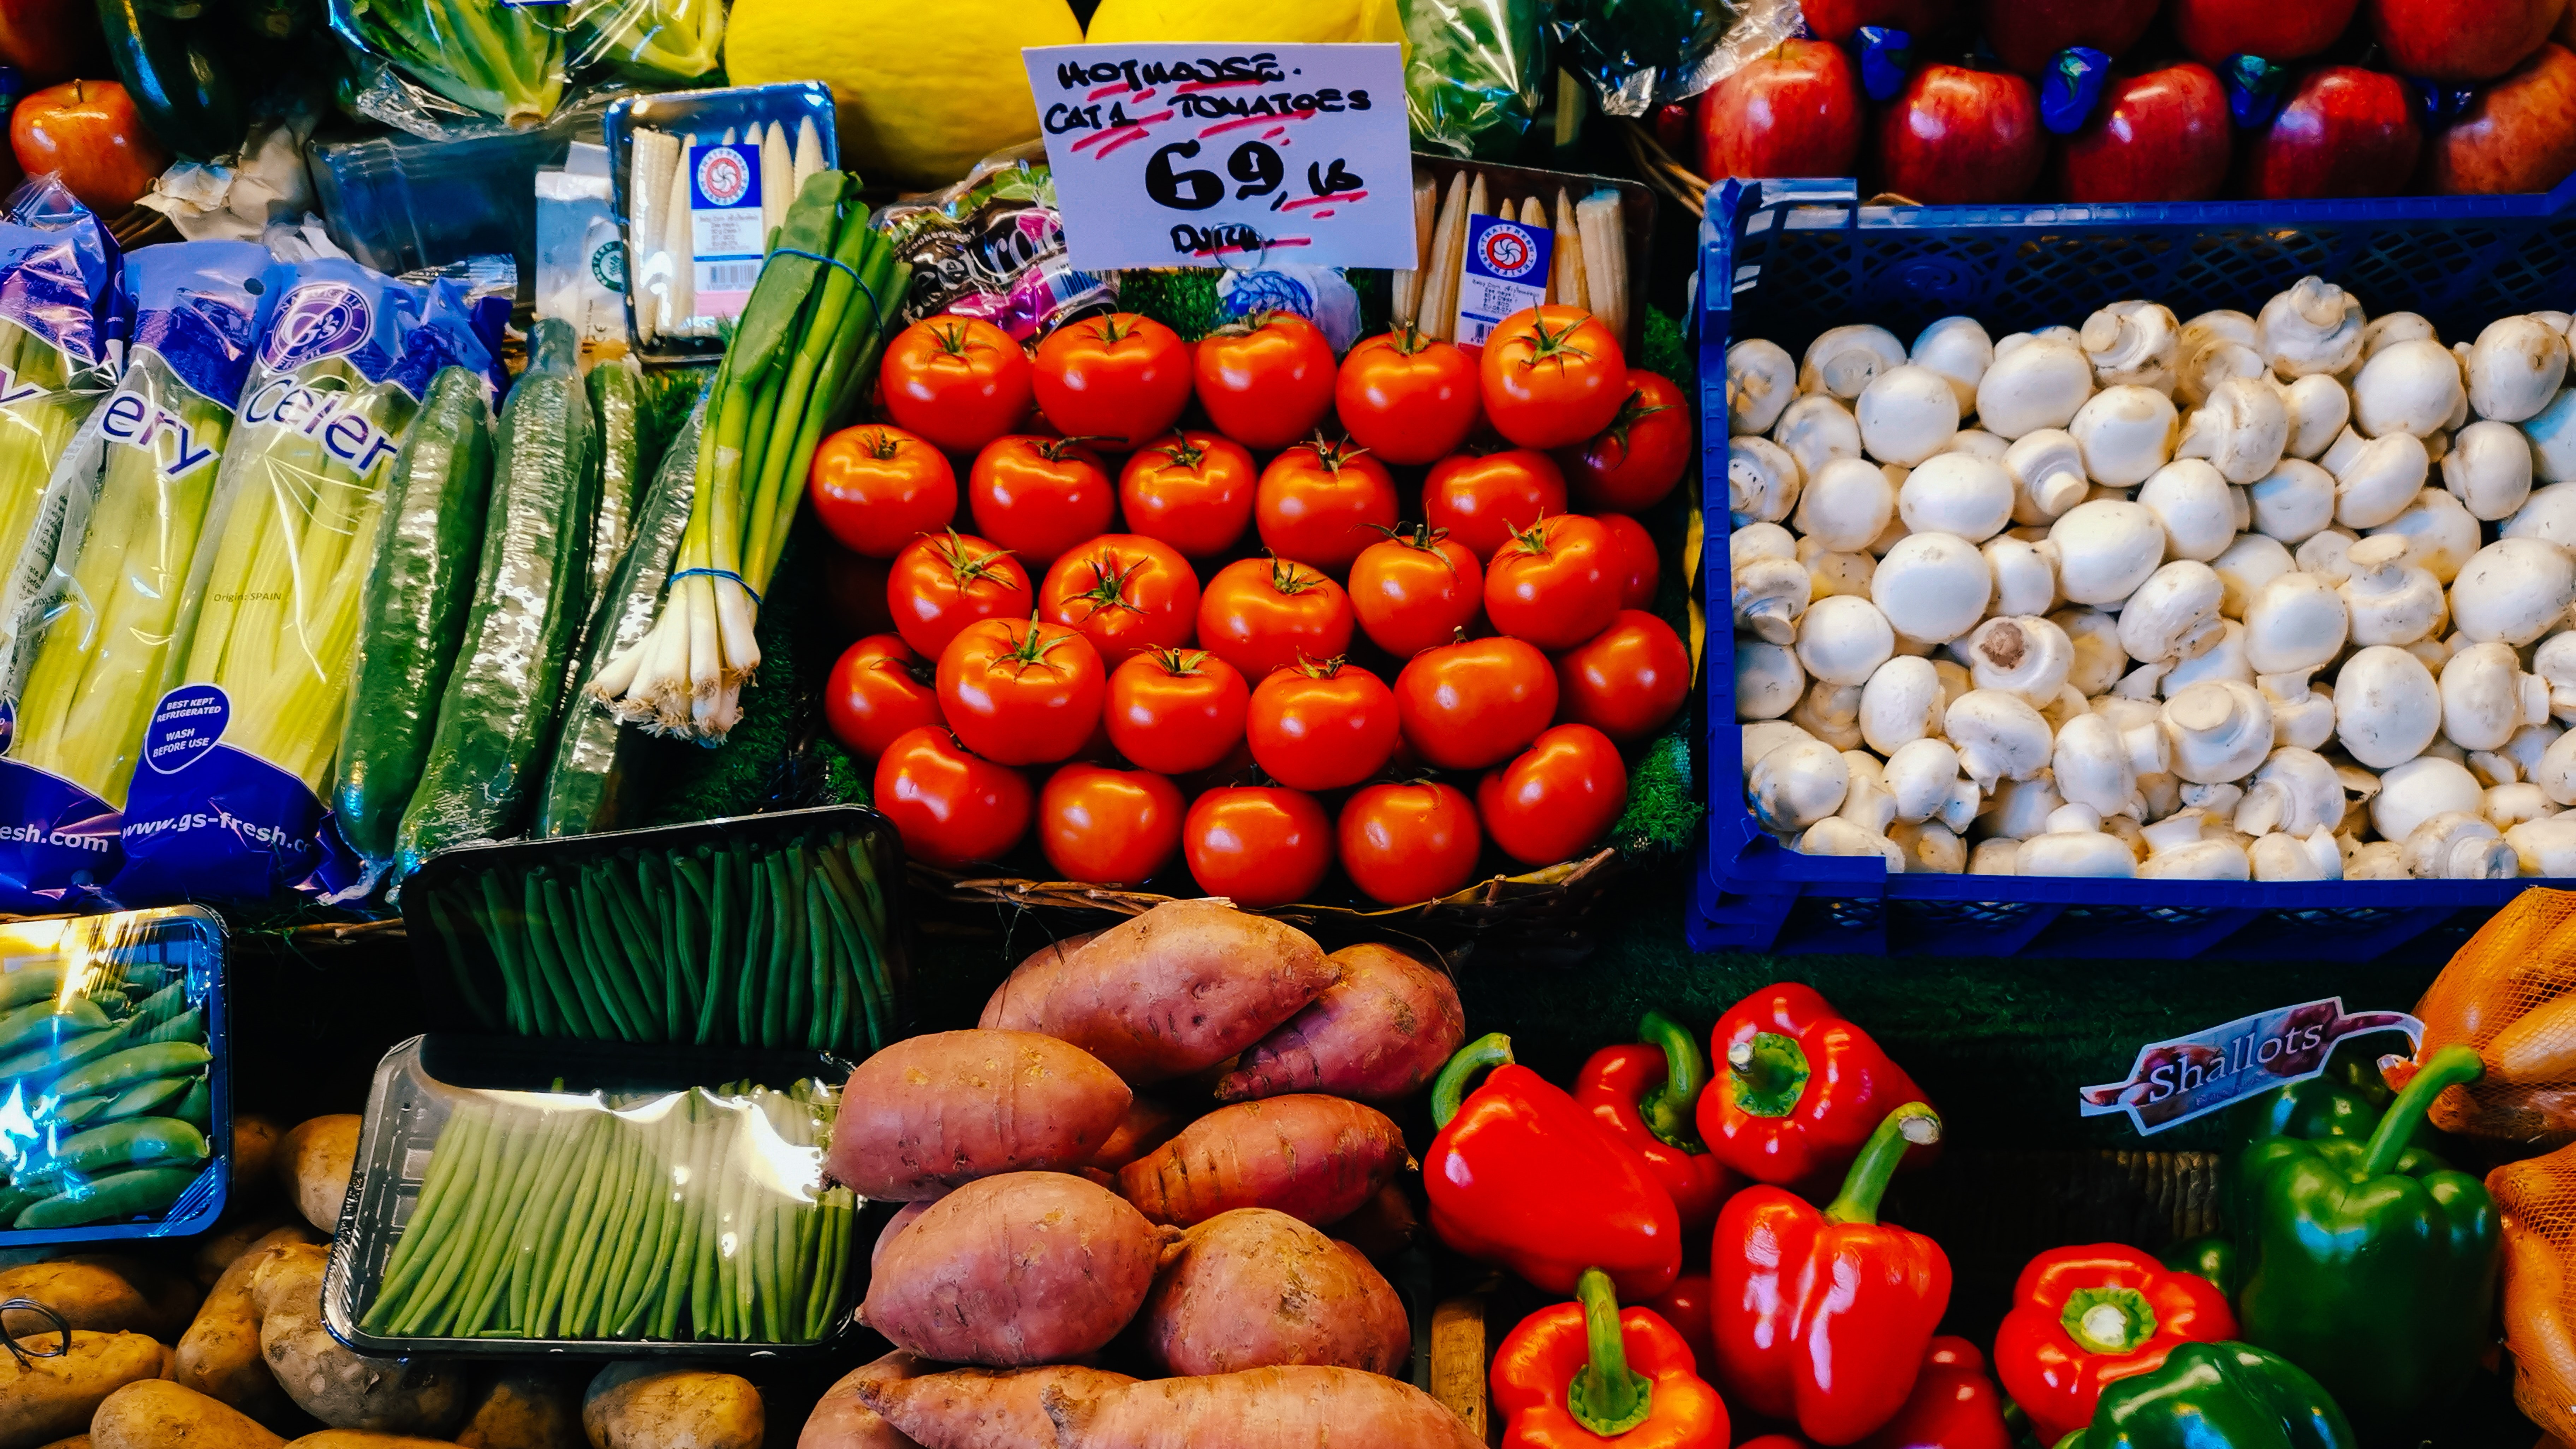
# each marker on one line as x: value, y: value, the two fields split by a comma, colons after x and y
x: 1025, y: 1268
x: 313, y: 1165
x: 54, y: 1396
x: 363, y: 1439
x: 938, y: 1111
x: 640, y: 1406
x: 85, y: 1290
x: 526, y: 1408
x: 231, y: 1238
x: 157, y: 1414
x: 1258, y: 1289
x: 219, y: 1356
x: 254, y: 1157
x: 343, y: 1389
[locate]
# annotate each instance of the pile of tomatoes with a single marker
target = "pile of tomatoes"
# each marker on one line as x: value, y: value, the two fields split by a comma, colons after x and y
x: 1343, y: 596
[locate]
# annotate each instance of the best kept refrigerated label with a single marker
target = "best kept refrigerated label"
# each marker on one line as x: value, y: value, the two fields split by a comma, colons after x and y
x: 1505, y: 270
x: 2191, y: 1076
x: 725, y: 229
x: 1177, y: 155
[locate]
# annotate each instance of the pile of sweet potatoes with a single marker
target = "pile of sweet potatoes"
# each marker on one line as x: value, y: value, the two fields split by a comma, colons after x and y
x: 1064, y: 1200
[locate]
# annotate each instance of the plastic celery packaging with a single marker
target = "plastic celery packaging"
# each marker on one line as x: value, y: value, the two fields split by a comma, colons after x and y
x: 132, y: 498
x: 244, y: 736
x: 486, y: 55
x: 677, y: 40
x: 58, y: 280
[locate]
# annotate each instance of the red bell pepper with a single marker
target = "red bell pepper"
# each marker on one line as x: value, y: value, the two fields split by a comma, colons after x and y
x: 1822, y: 1318
x: 1685, y: 1306
x: 1801, y: 1091
x: 1522, y: 1176
x: 1586, y: 1373
x: 1953, y: 1406
x: 1645, y: 1095
x: 2085, y: 1317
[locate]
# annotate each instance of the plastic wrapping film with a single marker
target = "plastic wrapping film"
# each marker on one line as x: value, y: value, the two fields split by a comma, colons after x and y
x: 992, y: 246
x: 225, y: 802
x: 61, y: 303
x: 650, y: 40
x: 507, y: 690
x: 486, y: 57
x: 1640, y: 54
x: 90, y: 643
x: 117, y: 1121
x: 418, y: 595
x: 509, y: 1204
x: 595, y: 756
x: 2510, y: 992
x: 616, y: 390
x: 1478, y: 74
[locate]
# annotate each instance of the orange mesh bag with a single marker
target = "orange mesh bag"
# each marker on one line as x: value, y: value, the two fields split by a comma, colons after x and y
x: 2538, y: 1199
x: 2510, y: 992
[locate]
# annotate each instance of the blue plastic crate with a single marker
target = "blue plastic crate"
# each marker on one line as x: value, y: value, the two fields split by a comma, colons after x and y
x: 1788, y: 259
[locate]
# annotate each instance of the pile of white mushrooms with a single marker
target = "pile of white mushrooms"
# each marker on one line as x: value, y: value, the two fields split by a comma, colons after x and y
x: 2281, y: 597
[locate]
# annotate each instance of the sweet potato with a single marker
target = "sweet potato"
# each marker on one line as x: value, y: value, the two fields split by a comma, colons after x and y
x: 843, y: 1419
x: 158, y: 1414
x: 1149, y: 1124
x: 935, y: 1112
x: 1314, y: 1158
x: 313, y: 1164
x: 254, y: 1157
x: 54, y: 1396
x: 1378, y: 1034
x: 638, y: 1406
x: 902, y: 1219
x: 1025, y: 1268
x: 1273, y: 1408
x: 219, y: 1355
x: 1258, y: 1289
x: 1383, y: 1227
x: 342, y: 1388
x: 983, y: 1408
x: 526, y: 1408
x: 1180, y: 988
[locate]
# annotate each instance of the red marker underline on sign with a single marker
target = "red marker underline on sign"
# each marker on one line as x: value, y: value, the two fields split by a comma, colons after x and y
x: 1285, y: 241
x: 1187, y: 87
x: 1338, y: 196
x: 1240, y: 122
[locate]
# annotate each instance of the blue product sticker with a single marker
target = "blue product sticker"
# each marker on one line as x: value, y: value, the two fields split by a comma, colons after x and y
x: 58, y: 842
x: 189, y: 721
x: 725, y: 227
x: 1505, y: 271
x: 2176, y: 1080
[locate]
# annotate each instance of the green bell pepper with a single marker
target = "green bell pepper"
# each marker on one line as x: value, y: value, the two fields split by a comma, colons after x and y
x: 2215, y: 1396
x: 2212, y: 1256
x: 2369, y: 1262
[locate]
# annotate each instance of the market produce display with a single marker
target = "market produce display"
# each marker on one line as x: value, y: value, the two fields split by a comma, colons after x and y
x: 2180, y: 600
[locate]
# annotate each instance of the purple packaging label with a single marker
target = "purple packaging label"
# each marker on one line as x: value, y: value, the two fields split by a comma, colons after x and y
x: 187, y: 723
x: 2176, y: 1080
x: 227, y: 825
x: 58, y: 842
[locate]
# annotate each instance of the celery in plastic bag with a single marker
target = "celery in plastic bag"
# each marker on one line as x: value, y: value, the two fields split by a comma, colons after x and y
x: 500, y: 59
x: 677, y: 40
x: 1478, y: 73
x: 57, y: 279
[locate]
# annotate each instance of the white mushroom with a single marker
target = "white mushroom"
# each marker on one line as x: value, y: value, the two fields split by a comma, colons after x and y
x: 2486, y: 698
x: 2515, y: 589
x: 2253, y: 560
x: 1958, y: 349
x: 2441, y: 535
x: 2553, y: 440
x: 2099, y: 659
x: 2218, y: 732
x: 2173, y: 615
x: 1816, y: 430
x: 1844, y: 640
x: 1830, y: 573
x: 2546, y: 847
x: 2047, y: 472
x: 1759, y: 540
x: 1924, y: 777
x: 2555, y: 662
x: 2181, y: 847
x: 1900, y: 704
x: 1845, y: 360
x: 1957, y: 493
x: 2242, y: 429
x: 2508, y: 805
x: 1838, y: 836
x: 1761, y: 481
x: 1761, y: 378
x: 2390, y: 601
x: 1830, y: 712
x: 2412, y: 387
x: 2224, y: 660
x: 2550, y: 514
x: 2295, y: 791
x: 1993, y: 857
x: 1890, y: 536
x: 2459, y: 845
x: 1930, y: 848
x: 2293, y: 502
x: 2556, y: 773
x: 2215, y: 347
x: 2019, y: 809
x: 1846, y: 505
x: 2096, y: 763
x: 2295, y: 623
x: 1761, y: 737
x: 2126, y: 433
x: 2387, y: 707
x: 2286, y: 857
x: 2319, y: 409
x: 1769, y: 594
x: 1768, y: 680
x: 1867, y: 803
x: 2025, y: 574
x: 2391, y: 328
x: 2374, y: 860
x: 2105, y: 549
x: 1907, y: 414
x: 2314, y: 327
x: 1932, y: 586
x: 2040, y: 383
x: 2024, y: 656
x: 1998, y: 737
x: 1978, y: 443
x: 2520, y: 757
x: 2379, y: 479
x: 2420, y: 789
x: 2516, y: 368
x: 2195, y: 506
x: 1797, y: 785
x: 2133, y: 344
x: 2489, y: 469
x: 2074, y: 844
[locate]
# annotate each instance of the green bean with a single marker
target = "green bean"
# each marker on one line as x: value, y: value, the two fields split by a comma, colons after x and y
x: 590, y: 1260
x: 452, y: 1256
x: 454, y: 942
x: 874, y: 997
x: 720, y: 916
x: 608, y: 956
x: 755, y: 952
x: 691, y: 925
x: 491, y: 1277
x: 530, y: 1008
x: 577, y: 1234
x: 558, y: 917
x: 563, y: 1004
x: 637, y: 944
x: 528, y: 1234
x: 432, y: 1212
x: 661, y: 889
x: 784, y: 915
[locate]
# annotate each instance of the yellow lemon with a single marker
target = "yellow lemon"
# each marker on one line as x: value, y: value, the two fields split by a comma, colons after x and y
x: 1274, y: 22
x: 923, y: 88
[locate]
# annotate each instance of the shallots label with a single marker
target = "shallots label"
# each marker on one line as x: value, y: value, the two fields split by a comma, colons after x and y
x: 2191, y: 1076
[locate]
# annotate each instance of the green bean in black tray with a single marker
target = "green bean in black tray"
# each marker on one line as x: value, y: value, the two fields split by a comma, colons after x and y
x: 720, y: 944
x: 680, y: 1215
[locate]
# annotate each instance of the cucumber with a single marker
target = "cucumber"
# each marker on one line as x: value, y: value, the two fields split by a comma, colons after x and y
x: 594, y: 755
x: 499, y: 710
x: 616, y: 387
x: 414, y: 609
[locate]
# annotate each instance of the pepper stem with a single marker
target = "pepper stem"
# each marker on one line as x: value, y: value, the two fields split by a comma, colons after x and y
x: 1770, y: 1074
x: 1667, y: 1109
x: 1913, y: 1125
x: 2450, y: 1067
x: 1606, y: 1397
x: 2109, y: 1319
x: 1449, y: 1089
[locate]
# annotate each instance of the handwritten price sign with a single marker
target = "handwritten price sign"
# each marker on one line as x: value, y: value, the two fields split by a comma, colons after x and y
x: 1200, y: 156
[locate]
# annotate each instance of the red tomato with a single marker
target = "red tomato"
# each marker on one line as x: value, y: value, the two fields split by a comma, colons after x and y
x: 950, y: 807
x: 1415, y: 589
x: 1641, y: 455
x: 1407, y: 398
x: 1265, y: 381
x: 1481, y: 500
x: 1556, y: 583
x: 961, y: 382
x: 1552, y: 377
x: 1191, y: 490
x: 1558, y: 799
x: 878, y: 690
x: 943, y: 582
x: 1176, y: 710
x: 1258, y: 845
x: 1125, y: 594
x: 1407, y: 843
x: 878, y: 488
x: 1109, y: 827
x: 1038, y: 497
x: 1476, y: 702
x: 1116, y: 380
x: 1321, y: 725
x: 1641, y: 565
x: 1322, y: 503
x: 1628, y: 681
x: 854, y: 593
x: 1021, y: 691
x: 1261, y: 614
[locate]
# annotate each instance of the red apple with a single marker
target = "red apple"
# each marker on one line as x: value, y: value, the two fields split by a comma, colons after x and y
x: 2566, y: 32
x: 2025, y: 33
x: 2162, y: 136
x: 2273, y: 29
x: 2344, y: 131
x: 88, y: 131
x: 2520, y: 136
x: 1835, y: 20
x: 2461, y: 40
x: 1959, y: 137
x: 1794, y: 112
x: 49, y: 40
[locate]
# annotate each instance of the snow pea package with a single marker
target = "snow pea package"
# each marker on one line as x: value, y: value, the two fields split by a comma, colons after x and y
x: 225, y: 804
x: 88, y: 647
